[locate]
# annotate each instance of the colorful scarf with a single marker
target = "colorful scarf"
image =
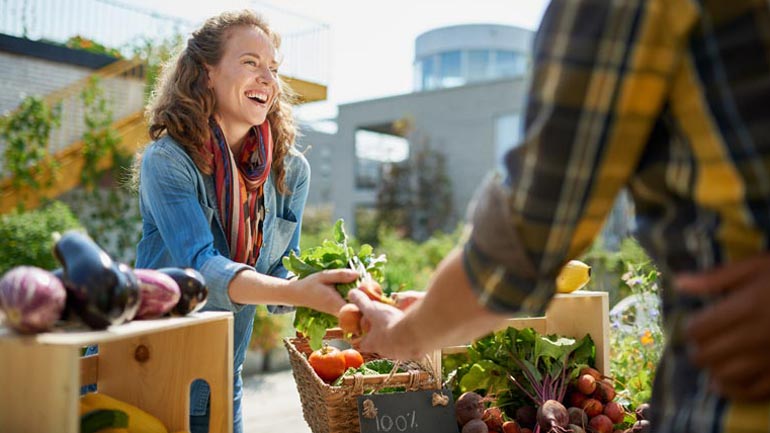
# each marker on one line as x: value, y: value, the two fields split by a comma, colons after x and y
x: 239, y: 192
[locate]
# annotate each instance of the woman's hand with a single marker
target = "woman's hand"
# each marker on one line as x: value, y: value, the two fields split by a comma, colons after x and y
x: 318, y: 292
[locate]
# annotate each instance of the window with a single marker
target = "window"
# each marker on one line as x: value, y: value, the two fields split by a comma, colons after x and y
x: 478, y: 65
x: 510, y: 64
x: 429, y: 73
x: 373, y: 149
x: 508, y: 134
x: 451, y: 69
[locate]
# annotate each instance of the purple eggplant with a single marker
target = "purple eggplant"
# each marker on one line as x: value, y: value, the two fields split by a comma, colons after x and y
x: 160, y: 293
x: 192, y: 287
x: 32, y: 299
x: 101, y: 291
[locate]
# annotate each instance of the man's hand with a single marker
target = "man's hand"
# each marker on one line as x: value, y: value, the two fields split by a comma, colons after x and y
x: 381, y: 337
x: 731, y: 335
x: 406, y: 298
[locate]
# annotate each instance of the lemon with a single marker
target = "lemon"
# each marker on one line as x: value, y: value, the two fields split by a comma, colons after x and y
x: 573, y: 276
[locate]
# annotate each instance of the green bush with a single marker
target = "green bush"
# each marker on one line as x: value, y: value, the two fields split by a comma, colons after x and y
x: 637, y: 345
x: 26, y: 237
x: 410, y: 264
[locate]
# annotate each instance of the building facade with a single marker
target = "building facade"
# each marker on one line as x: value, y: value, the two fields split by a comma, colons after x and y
x: 469, y: 89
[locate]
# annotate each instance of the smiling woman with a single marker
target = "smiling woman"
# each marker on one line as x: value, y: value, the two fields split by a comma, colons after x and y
x: 222, y: 189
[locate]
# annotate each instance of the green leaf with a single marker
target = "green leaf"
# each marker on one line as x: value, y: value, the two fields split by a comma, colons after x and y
x: 556, y: 350
x: 339, y: 232
x: 482, y: 375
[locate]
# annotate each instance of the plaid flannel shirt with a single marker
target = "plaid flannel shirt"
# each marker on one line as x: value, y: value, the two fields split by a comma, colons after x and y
x: 670, y: 99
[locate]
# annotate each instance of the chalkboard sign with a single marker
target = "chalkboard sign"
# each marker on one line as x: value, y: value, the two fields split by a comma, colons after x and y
x: 431, y: 411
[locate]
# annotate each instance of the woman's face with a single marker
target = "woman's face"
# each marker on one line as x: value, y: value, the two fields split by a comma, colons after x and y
x: 245, y: 82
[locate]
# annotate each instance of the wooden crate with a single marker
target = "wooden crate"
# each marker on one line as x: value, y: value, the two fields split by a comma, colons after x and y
x: 147, y: 363
x: 571, y: 315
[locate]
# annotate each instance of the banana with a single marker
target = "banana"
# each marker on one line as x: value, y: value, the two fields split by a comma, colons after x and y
x: 573, y: 276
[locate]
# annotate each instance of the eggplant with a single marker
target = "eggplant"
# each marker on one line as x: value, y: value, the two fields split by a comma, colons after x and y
x: 192, y: 287
x: 160, y: 293
x: 32, y: 299
x: 101, y: 291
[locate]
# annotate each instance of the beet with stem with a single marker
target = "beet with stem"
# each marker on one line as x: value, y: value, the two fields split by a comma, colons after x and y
x: 552, y: 416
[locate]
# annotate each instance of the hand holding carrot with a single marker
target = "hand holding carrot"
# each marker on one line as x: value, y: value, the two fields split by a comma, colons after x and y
x: 380, y: 337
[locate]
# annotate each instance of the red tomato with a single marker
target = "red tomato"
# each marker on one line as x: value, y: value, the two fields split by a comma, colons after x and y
x: 328, y: 363
x: 352, y: 358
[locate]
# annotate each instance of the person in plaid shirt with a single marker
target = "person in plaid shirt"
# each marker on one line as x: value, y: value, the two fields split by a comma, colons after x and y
x: 670, y: 99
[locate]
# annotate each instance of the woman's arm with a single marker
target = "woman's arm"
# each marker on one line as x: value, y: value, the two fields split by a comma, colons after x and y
x: 168, y: 197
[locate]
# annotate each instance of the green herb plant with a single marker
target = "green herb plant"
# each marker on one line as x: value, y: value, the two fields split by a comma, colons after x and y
x: 331, y: 254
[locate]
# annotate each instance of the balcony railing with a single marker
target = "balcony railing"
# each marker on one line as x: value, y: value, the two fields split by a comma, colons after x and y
x: 122, y: 26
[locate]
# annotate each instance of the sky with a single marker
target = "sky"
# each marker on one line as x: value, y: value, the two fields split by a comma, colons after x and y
x: 371, y: 43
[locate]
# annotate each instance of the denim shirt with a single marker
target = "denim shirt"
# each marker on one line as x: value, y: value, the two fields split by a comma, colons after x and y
x: 181, y: 227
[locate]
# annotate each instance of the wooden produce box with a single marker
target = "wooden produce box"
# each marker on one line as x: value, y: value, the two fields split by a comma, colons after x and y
x: 570, y: 315
x: 147, y: 363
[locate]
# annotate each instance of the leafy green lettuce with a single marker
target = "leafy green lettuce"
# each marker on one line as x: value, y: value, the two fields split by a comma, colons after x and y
x: 331, y: 254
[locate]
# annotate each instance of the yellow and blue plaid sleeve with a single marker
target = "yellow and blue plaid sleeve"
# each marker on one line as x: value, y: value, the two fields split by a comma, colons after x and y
x: 601, y: 74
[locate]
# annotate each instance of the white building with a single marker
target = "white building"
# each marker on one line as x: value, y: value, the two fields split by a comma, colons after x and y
x: 469, y: 87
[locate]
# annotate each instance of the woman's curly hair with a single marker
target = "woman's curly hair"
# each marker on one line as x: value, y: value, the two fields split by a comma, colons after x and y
x: 182, y: 103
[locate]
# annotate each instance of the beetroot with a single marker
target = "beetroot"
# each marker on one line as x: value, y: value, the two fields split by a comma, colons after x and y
x: 592, y: 407
x: 586, y: 384
x: 526, y: 416
x: 576, y: 428
x: 493, y: 418
x: 604, y: 392
x: 475, y: 426
x: 526, y: 430
x: 159, y: 293
x: 614, y: 412
x: 591, y: 371
x: 576, y: 399
x: 643, y: 411
x: 552, y: 416
x: 642, y: 426
x: 601, y: 424
x: 511, y: 427
x: 577, y: 416
x: 32, y: 299
x: 469, y: 406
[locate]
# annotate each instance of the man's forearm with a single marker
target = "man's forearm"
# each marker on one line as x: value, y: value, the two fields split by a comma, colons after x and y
x: 448, y: 315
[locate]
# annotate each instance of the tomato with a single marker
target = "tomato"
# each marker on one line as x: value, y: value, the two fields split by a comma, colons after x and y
x: 353, y: 358
x: 328, y: 363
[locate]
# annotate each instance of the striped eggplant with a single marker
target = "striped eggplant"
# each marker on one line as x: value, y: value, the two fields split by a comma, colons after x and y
x: 160, y: 293
x: 32, y: 299
x: 192, y: 287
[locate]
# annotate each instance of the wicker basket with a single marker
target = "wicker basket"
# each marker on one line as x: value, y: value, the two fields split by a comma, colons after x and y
x: 334, y: 409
